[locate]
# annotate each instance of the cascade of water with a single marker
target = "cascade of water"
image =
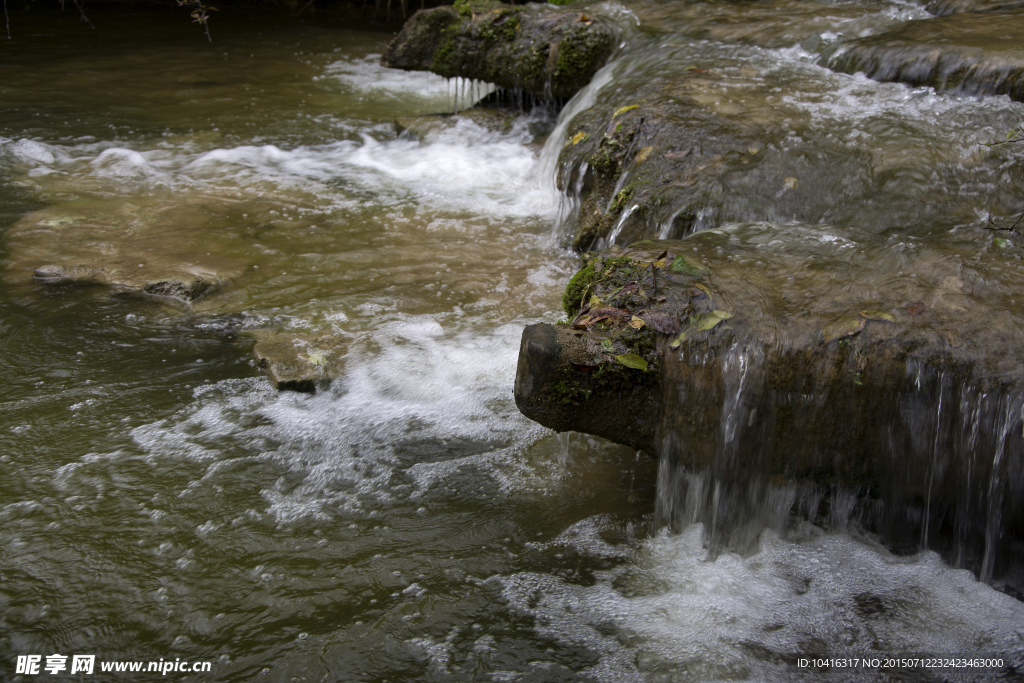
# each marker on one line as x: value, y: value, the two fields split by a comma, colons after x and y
x: 938, y: 469
x: 547, y: 168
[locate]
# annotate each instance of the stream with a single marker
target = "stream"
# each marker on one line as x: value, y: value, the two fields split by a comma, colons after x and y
x: 160, y: 500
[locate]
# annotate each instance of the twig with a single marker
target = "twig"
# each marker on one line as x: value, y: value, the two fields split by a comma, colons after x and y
x: 200, y: 15
x: 82, y: 12
x: 1015, y: 135
x: 999, y: 228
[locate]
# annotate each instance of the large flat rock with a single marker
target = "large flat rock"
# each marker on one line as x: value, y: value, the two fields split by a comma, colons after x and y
x: 759, y: 355
x: 970, y: 54
x: 146, y: 246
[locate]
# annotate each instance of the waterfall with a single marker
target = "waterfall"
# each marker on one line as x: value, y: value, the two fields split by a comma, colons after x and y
x: 941, y: 458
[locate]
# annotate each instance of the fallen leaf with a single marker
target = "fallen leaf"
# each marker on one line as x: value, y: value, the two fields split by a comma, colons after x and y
x: 915, y: 308
x: 636, y: 323
x: 631, y: 360
x: 709, y: 320
x: 878, y: 315
x: 609, y: 312
x: 662, y: 322
x: 680, y: 264
x: 701, y: 323
x: 579, y: 137
x: 791, y: 183
x: 642, y: 155
x: 841, y: 329
x: 676, y: 155
x: 623, y: 110
x: 582, y: 367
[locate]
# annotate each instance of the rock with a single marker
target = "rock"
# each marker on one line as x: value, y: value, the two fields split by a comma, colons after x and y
x: 798, y: 361
x: 185, y: 289
x: 427, y: 127
x: 671, y: 147
x: 968, y: 54
x: 70, y: 275
x: 297, y: 362
x: 942, y: 8
x: 545, y: 51
x: 561, y: 370
x: 653, y: 159
x: 156, y: 250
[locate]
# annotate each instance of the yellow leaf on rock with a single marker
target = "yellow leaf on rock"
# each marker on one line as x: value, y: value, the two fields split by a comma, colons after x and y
x: 623, y: 110
x: 636, y: 323
x: 632, y: 360
x: 878, y: 315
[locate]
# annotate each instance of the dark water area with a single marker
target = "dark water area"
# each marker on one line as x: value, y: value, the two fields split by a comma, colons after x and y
x: 160, y: 500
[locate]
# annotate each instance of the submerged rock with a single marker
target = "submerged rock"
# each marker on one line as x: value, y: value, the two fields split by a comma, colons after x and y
x: 760, y: 355
x: 298, y: 362
x: 184, y: 288
x: 426, y: 127
x: 538, y: 49
x: 969, y: 54
x: 160, y: 251
x: 942, y: 8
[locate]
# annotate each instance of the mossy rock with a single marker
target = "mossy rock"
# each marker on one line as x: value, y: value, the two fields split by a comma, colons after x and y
x: 542, y: 50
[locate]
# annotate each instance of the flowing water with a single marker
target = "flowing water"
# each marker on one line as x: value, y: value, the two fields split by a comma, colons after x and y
x: 161, y: 501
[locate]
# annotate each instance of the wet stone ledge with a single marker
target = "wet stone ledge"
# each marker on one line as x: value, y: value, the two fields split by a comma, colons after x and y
x: 969, y: 54
x: 942, y: 8
x: 759, y: 356
x: 547, y: 52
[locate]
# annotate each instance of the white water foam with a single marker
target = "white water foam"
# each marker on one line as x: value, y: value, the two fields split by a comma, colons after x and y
x: 466, y: 167
x: 360, y: 445
x: 672, y: 614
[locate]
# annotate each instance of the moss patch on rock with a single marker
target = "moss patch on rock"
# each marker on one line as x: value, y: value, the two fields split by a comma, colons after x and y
x: 540, y: 50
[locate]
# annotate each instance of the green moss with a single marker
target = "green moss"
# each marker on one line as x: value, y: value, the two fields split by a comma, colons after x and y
x: 446, y: 57
x: 622, y: 198
x: 572, y: 298
x: 463, y: 8
x: 611, y: 273
x: 569, y: 389
x: 503, y: 28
